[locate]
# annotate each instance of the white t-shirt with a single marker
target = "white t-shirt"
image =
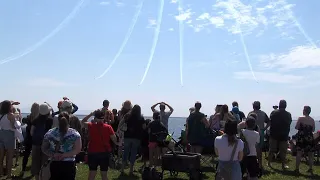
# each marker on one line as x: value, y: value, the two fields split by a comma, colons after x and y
x: 224, y: 150
x: 252, y: 138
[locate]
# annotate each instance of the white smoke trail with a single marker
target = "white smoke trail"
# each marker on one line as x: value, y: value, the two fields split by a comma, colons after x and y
x: 304, y: 33
x: 65, y: 22
x: 246, y: 53
x: 155, y: 40
x: 181, y: 35
x: 126, y: 39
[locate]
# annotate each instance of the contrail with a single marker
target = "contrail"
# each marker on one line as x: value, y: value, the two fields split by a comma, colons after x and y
x: 181, y: 35
x: 246, y: 53
x: 65, y: 22
x: 126, y: 39
x: 155, y: 40
x: 301, y: 29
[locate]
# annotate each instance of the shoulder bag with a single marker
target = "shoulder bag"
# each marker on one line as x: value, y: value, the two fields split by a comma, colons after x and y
x: 224, y: 171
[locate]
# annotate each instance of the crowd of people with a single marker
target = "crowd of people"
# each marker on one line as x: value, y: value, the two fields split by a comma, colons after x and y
x: 60, y: 137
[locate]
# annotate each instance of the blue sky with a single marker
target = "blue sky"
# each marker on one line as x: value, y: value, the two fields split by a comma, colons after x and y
x: 50, y: 49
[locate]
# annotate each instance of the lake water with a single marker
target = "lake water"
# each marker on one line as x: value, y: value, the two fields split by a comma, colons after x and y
x: 176, y: 124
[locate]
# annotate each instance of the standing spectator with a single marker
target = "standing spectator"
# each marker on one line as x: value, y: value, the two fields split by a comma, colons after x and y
x: 305, y: 141
x: 229, y: 150
x: 280, y: 121
x: 28, y: 139
x: 214, y: 120
x: 7, y: 137
x: 39, y: 128
x: 241, y: 114
x: 99, y: 146
x: 132, y: 136
x: 164, y: 116
x: 195, y: 129
x: 62, y: 145
x: 109, y: 116
x: 262, y: 121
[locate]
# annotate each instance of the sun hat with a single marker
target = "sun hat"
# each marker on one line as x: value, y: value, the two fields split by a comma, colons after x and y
x: 44, y: 109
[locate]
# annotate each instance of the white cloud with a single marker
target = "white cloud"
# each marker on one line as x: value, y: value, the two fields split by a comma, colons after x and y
x: 152, y: 23
x: 173, y: 1
x: 170, y: 29
x: 105, y: 3
x: 272, y: 77
x: 297, y: 58
x: 46, y: 82
x: 184, y: 15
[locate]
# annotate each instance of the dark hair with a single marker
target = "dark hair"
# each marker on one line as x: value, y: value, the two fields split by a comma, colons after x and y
x: 282, y: 104
x: 197, y: 106
x: 256, y: 105
x: 106, y: 103
x: 235, y: 103
x: 162, y: 106
x: 156, y: 116
x: 224, y: 109
x: 231, y: 129
x: 5, y: 107
x: 99, y: 114
x: 135, y: 112
x: 114, y: 111
x: 251, y: 122
x: 63, y: 122
x: 254, y: 115
x: 307, y: 110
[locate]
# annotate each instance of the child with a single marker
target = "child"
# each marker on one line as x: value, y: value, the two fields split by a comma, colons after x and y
x: 251, y: 138
x: 155, y: 130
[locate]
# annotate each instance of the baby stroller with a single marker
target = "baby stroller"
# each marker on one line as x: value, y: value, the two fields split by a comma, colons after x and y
x: 179, y: 161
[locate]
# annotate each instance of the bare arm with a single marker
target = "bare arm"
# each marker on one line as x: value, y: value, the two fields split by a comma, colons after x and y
x: 216, y: 151
x: 114, y: 139
x: 12, y: 120
x: 240, y: 155
x: 298, y: 124
x: 84, y: 121
x: 45, y: 147
x: 154, y: 106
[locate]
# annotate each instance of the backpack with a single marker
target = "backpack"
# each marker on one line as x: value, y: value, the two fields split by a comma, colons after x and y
x: 38, y: 134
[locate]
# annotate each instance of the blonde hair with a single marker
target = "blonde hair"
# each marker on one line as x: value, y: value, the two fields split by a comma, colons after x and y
x: 34, y: 111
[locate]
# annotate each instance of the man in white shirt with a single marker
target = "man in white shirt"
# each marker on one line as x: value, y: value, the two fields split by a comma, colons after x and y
x: 251, y: 138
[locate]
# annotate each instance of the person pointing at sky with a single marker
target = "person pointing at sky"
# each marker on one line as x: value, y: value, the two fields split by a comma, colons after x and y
x: 164, y: 116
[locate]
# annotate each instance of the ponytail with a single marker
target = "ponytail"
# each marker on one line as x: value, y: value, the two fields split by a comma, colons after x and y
x: 231, y: 140
x: 63, y: 123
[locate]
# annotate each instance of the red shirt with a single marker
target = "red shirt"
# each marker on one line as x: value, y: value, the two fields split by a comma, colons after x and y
x: 99, y: 137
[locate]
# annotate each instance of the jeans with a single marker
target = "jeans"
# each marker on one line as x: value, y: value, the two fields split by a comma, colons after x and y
x: 26, y: 155
x: 236, y: 173
x: 130, y: 147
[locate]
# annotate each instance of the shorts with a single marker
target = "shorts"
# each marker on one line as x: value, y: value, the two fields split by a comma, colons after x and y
x: 63, y: 170
x: 7, y: 139
x: 98, y: 159
x: 278, y: 146
x: 250, y: 164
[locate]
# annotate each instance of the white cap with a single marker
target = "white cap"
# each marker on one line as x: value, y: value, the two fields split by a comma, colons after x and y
x: 44, y: 109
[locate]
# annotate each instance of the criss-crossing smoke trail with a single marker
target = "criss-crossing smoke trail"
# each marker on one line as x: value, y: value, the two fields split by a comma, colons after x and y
x: 246, y: 53
x: 155, y: 40
x: 32, y: 48
x: 126, y: 39
x: 181, y: 35
x: 301, y: 29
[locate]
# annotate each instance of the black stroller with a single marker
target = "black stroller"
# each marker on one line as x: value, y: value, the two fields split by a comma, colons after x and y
x: 179, y: 161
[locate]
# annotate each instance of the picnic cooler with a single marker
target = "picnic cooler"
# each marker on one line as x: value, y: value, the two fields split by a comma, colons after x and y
x: 181, y: 162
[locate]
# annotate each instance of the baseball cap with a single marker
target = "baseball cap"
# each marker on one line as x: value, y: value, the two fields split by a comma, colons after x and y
x: 44, y: 109
x: 66, y: 104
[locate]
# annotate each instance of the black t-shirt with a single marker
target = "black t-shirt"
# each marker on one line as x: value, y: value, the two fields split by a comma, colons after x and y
x: 241, y: 114
x: 27, y: 121
x: 157, y: 131
x: 134, y: 127
x: 280, y: 122
x: 40, y: 122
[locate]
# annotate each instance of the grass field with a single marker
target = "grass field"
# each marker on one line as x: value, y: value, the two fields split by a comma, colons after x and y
x: 274, y: 173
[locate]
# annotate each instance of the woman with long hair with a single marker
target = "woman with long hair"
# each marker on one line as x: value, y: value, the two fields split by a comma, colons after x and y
x: 214, y: 120
x: 61, y: 145
x: 132, y: 136
x: 34, y: 113
x: 7, y: 136
x: 230, y: 152
x: 126, y: 107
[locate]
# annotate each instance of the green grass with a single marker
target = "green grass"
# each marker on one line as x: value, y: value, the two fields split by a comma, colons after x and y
x: 275, y: 173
